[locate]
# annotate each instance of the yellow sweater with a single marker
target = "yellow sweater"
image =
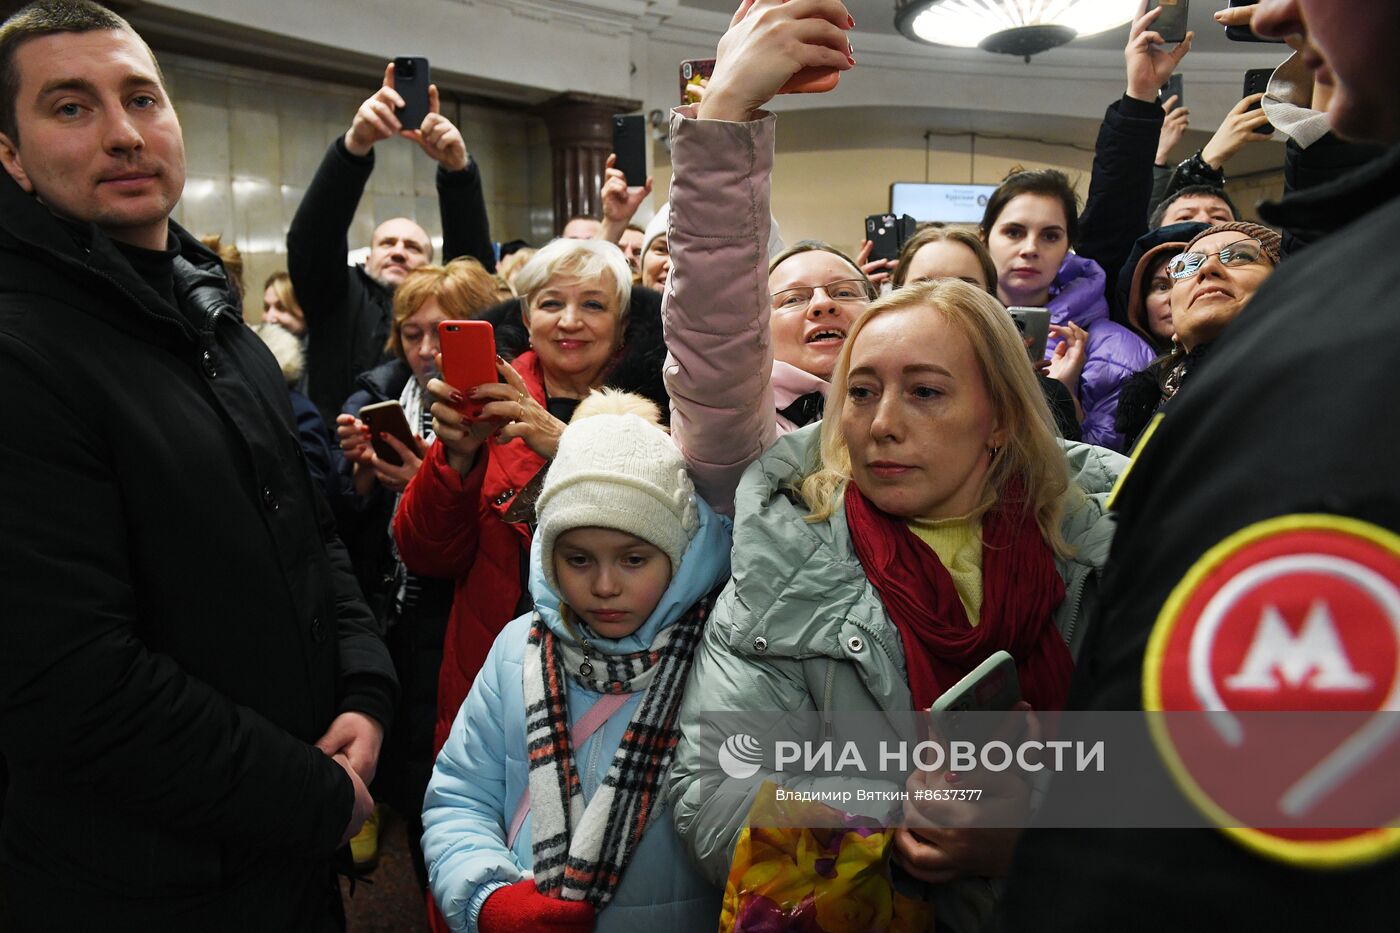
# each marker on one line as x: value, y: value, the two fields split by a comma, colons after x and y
x: 958, y: 544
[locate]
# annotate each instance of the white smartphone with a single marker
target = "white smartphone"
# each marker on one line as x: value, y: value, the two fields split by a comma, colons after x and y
x: 991, y: 686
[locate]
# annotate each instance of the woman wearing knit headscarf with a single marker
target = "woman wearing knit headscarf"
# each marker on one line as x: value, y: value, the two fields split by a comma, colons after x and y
x: 545, y: 810
x: 1211, y: 282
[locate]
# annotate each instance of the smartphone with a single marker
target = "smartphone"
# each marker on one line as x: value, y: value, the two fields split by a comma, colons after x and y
x: 1171, y: 22
x: 630, y: 147
x: 388, y: 418
x: 888, y: 234
x: 1244, y: 33
x: 991, y: 686
x: 1256, y: 81
x: 693, y: 71
x: 1034, y: 326
x: 1175, y: 85
x: 806, y: 81
x: 411, y: 80
x: 468, y: 359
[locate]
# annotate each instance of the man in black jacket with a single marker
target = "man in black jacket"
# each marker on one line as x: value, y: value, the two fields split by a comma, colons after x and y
x: 1267, y: 495
x: 348, y: 308
x: 191, y: 687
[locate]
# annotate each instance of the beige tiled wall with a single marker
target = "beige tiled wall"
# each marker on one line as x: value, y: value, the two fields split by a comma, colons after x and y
x: 253, y: 141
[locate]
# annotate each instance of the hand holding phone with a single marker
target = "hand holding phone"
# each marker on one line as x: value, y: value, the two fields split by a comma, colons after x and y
x: 991, y: 686
x: 468, y: 360
x: 1175, y: 87
x: 1256, y: 81
x: 630, y: 148
x: 888, y: 233
x: 1171, y: 22
x: 756, y: 58
x: 1033, y: 324
x: 412, y: 77
x: 1236, y: 17
x: 388, y: 418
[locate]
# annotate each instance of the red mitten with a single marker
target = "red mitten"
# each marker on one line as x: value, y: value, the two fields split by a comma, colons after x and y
x: 520, y: 908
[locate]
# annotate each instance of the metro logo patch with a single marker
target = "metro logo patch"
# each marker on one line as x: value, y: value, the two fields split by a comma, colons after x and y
x: 1300, y: 613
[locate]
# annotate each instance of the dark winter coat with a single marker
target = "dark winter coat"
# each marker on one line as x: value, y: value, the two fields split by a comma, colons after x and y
x: 1120, y: 188
x: 347, y: 312
x: 181, y: 623
x: 1284, y: 421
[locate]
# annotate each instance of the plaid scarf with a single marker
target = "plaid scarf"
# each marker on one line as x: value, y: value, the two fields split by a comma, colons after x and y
x: 581, y: 851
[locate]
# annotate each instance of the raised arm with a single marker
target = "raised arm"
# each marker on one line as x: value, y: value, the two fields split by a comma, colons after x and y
x: 715, y: 315
x: 1120, y: 187
x: 465, y: 228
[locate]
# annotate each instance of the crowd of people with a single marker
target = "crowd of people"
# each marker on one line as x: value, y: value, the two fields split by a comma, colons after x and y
x: 715, y: 472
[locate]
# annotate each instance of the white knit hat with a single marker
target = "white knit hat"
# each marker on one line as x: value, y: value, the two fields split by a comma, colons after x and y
x: 616, y: 468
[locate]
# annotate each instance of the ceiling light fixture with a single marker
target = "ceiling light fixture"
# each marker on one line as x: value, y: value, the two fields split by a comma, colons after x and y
x: 1013, y: 27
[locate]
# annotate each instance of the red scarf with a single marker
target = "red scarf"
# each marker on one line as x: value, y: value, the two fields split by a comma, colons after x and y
x: 1021, y: 589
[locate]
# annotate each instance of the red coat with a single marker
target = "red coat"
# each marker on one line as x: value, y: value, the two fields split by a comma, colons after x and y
x: 449, y: 525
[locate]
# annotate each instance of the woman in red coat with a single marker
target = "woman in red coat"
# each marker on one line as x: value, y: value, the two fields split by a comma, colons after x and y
x: 459, y: 517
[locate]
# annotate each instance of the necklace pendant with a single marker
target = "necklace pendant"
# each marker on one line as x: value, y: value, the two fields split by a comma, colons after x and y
x: 586, y: 668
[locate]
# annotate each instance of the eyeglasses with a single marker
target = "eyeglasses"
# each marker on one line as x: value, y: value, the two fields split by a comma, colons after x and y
x: 842, y: 291
x: 1239, y: 253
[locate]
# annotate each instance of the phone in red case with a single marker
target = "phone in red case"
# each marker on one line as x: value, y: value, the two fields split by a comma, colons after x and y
x: 468, y: 359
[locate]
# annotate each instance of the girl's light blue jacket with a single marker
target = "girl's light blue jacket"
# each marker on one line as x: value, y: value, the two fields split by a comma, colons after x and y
x: 481, y: 773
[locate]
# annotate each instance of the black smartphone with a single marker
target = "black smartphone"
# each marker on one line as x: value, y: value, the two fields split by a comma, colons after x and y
x: 1244, y: 33
x: 1256, y: 81
x: 411, y: 80
x: 1175, y: 85
x: 1171, y: 22
x: 888, y: 234
x: 630, y: 147
x: 388, y: 418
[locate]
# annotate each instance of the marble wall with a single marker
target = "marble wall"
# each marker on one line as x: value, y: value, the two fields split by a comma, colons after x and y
x: 253, y: 141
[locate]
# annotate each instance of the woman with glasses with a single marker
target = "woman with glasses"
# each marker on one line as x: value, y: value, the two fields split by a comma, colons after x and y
x: 930, y: 519
x: 752, y: 344
x: 1212, y: 280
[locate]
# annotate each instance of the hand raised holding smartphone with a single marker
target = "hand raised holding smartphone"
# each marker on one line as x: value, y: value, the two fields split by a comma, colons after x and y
x: 768, y: 43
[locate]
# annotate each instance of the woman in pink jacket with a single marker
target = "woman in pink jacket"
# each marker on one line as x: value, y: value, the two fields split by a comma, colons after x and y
x: 751, y: 344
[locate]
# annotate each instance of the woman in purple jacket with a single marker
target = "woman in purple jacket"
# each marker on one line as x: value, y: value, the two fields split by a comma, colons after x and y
x: 1029, y: 226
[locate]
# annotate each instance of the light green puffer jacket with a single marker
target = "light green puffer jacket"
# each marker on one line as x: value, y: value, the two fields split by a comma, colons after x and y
x: 800, y: 628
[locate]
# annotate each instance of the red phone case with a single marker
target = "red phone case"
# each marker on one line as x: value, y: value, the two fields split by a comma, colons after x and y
x: 468, y: 358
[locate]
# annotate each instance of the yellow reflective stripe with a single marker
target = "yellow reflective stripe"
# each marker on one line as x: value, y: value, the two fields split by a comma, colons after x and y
x: 1132, y: 459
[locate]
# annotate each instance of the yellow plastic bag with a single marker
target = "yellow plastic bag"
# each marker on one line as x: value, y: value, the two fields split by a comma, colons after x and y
x: 814, y: 880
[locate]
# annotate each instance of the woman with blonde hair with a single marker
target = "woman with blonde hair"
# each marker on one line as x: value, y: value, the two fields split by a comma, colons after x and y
x: 931, y: 519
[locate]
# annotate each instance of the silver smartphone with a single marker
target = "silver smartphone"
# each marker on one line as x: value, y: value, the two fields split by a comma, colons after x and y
x: 1034, y: 326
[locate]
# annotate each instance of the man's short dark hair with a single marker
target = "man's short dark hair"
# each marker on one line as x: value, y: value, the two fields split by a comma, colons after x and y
x: 44, y: 18
x: 1190, y: 191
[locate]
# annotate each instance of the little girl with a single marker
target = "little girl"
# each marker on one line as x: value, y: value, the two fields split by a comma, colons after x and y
x: 543, y: 812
